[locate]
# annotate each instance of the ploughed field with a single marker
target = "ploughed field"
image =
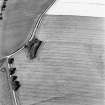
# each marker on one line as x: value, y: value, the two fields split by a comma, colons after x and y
x: 69, y: 68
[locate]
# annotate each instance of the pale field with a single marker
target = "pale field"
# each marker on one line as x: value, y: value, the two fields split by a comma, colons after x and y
x: 94, y: 8
x: 69, y: 68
